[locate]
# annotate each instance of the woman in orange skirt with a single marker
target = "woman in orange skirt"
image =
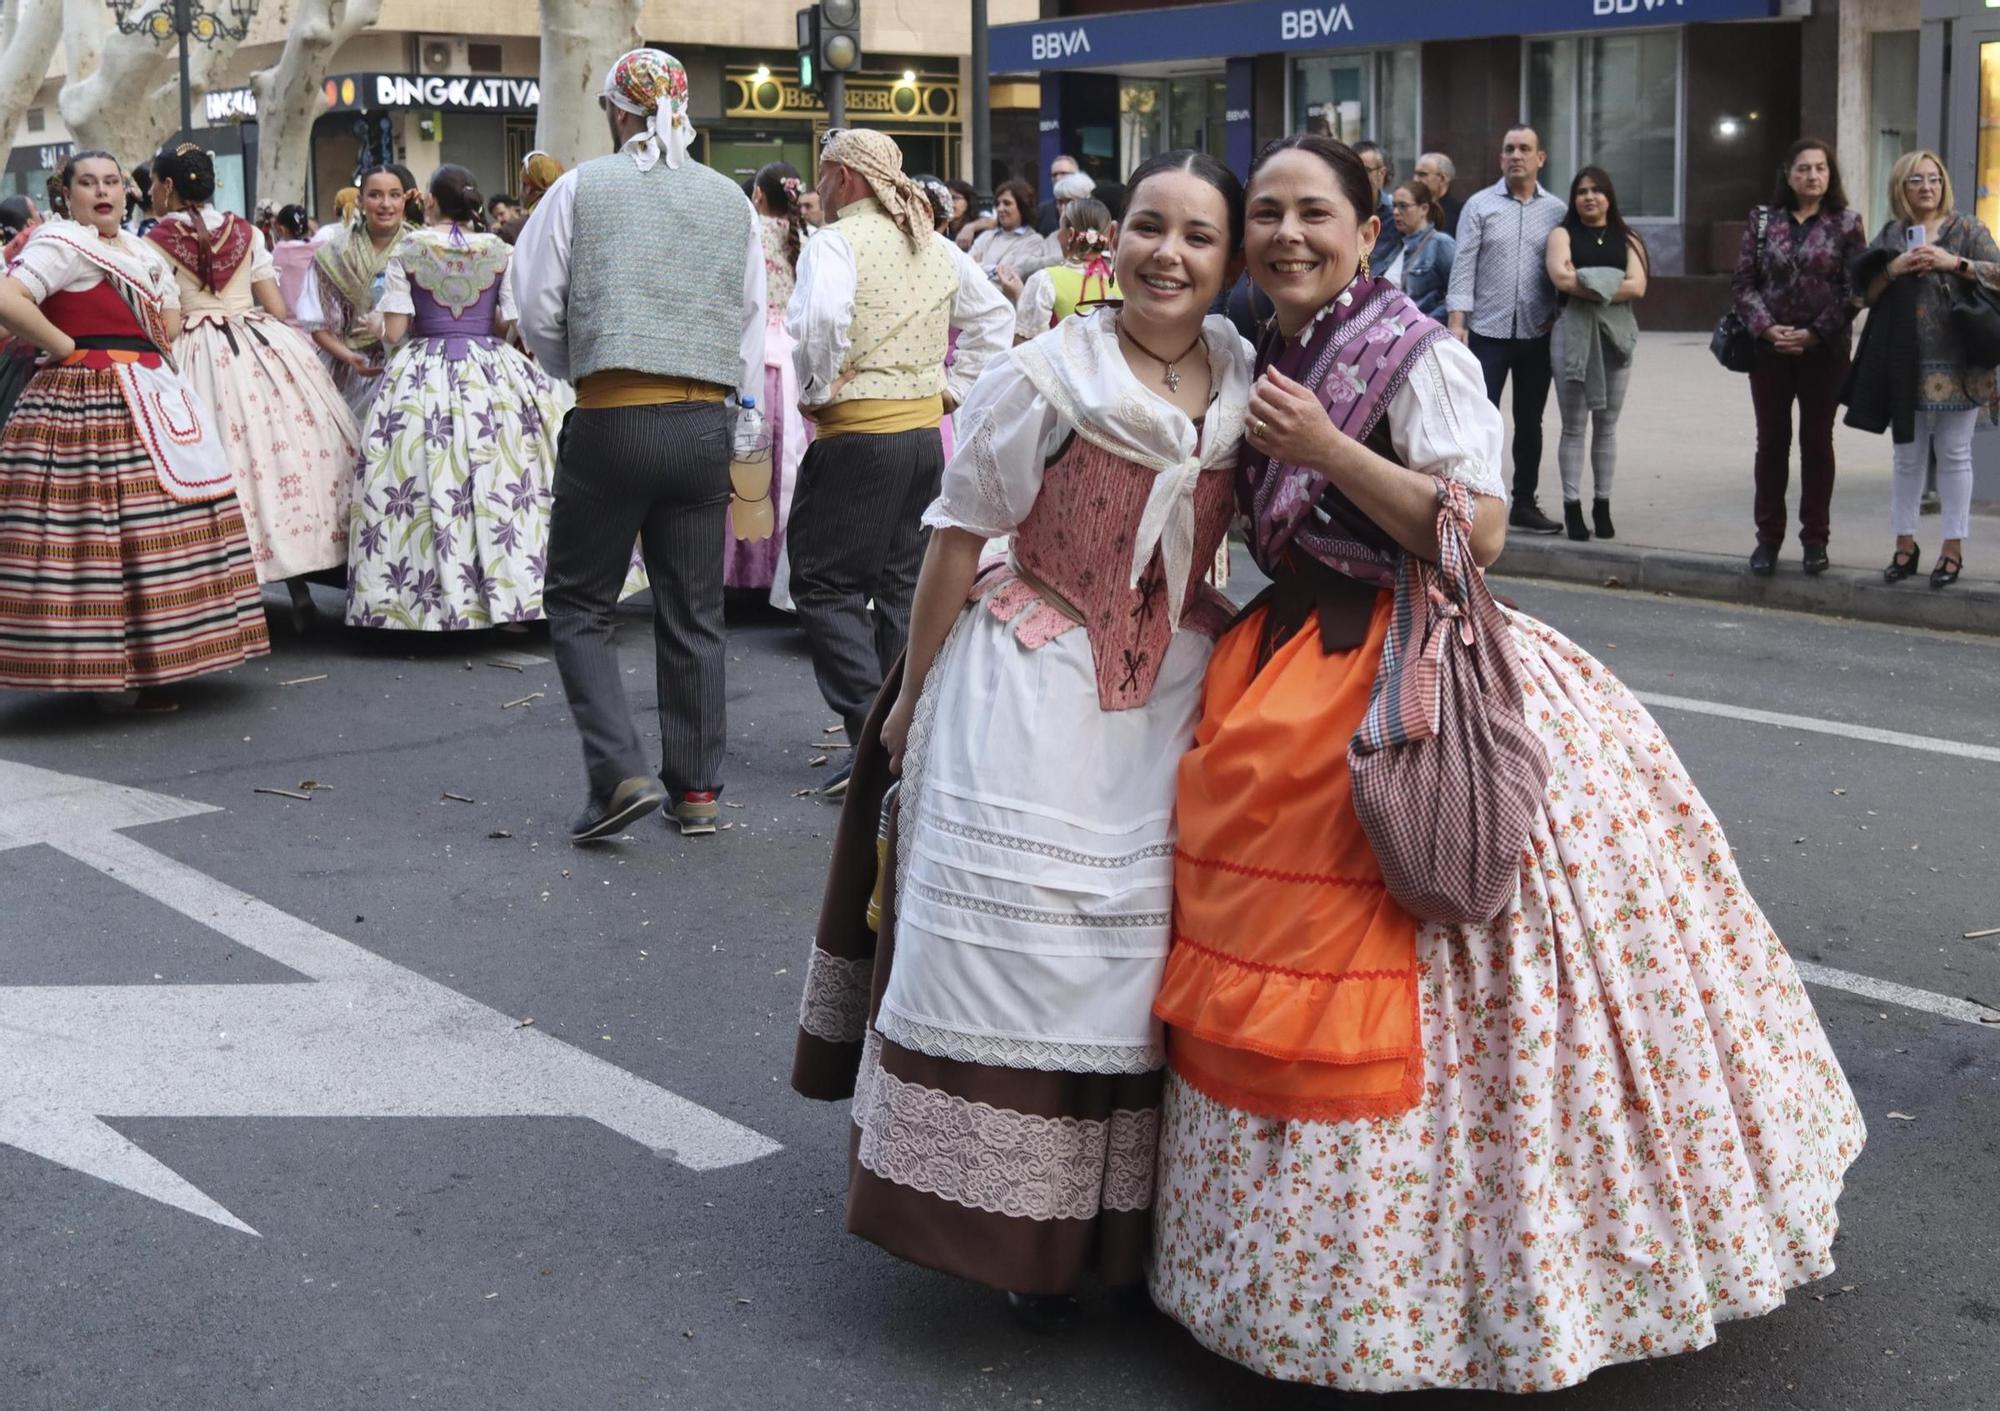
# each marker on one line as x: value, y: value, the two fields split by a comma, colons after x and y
x: 1399, y: 1154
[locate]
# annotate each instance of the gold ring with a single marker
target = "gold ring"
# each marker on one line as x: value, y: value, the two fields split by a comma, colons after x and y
x: 1257, y: 427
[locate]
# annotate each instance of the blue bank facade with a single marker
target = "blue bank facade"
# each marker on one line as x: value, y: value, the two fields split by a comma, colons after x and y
x: 1688, y: 103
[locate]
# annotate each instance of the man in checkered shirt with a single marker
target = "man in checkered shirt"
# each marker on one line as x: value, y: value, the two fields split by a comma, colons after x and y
x: 1502, y: 305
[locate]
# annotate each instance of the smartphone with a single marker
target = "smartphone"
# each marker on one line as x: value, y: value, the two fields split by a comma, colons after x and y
x: 1913, y: 237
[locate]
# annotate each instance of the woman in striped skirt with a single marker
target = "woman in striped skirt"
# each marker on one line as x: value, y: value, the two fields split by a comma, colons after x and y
x: 123, y: 559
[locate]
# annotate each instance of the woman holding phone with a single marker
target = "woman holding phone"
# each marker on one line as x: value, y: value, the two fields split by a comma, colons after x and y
x: 1925, y: 259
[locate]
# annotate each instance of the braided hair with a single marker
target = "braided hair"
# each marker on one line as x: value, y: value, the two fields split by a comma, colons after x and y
x: 779, y: 181
x: 192, y: 172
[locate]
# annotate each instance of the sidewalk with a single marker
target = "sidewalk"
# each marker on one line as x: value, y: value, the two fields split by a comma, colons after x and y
x: 1682, y: 508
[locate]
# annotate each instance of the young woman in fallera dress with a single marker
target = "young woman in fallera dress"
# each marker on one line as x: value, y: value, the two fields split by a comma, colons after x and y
x: 1399, y: 1155
x: 450, y: 526
x: 337, y: 302
x: 123, y: 560
x: 1009, y: 1065
x: 291, y: 440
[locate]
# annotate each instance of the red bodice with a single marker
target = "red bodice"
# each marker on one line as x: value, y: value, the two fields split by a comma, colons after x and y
x: 96, y: 312
x: 1074, y: 551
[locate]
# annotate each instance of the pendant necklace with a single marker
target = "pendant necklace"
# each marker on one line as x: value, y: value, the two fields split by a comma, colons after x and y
x: 1172, y: 377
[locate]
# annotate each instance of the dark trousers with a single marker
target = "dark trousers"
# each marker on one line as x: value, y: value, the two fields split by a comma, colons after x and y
x: 1528, y: 360
x: 659, y: 475
x: 1813, y: 380
x: 856, y: 535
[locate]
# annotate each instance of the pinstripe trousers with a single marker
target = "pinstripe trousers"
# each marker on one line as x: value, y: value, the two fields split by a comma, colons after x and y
x: 856, y: 534
x: 658, y: 474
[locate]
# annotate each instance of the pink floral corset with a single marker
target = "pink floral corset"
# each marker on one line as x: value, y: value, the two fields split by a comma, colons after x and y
x: 1073, y: 553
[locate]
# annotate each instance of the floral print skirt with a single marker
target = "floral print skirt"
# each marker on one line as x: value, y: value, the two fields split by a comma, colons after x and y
x: 1631, y: 1127
x: 450, y: 527
x: 291, y: 439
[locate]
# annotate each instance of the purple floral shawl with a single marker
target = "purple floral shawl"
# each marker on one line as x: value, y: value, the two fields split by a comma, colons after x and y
x: 1367, y: 341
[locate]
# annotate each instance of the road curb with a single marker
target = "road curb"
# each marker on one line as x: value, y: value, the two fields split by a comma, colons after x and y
x: 1839, y: 592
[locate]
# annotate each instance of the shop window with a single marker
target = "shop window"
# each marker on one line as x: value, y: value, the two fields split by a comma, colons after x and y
x: 1142, y: 122
x: 1986, y: 176
x: 1892, y: 119
x: 1612, y: 101
x: 485, y: 58
x: 1372, y: 94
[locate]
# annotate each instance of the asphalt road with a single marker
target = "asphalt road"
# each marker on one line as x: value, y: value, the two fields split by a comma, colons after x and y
x: 460, y: 1260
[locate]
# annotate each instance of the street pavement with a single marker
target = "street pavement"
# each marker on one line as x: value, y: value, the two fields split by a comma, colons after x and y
x: 342, y: 1170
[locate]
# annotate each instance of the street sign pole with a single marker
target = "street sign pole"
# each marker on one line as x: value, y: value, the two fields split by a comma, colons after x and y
x: 834, y: 94
x: 982, y: 112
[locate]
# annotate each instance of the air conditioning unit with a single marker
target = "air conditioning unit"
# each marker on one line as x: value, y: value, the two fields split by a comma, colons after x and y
x: 440, y: 53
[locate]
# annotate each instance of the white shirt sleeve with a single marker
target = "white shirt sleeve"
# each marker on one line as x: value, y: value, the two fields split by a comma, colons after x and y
x: 508, y: 308
x: 46, y: 267
x: 1006, y: 434
x: 750, y: 382
x: 822, y: 313
x: 261, y: 265
x: 541, y: 278
x: 395, y: 289
x: 985, y: 323
x: 310, y: 311
x: 1037, y: 306
x: 1441, y: 423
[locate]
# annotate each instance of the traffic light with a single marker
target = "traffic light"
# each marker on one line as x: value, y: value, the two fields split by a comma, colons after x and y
x: 829, y: 36
x: 839, y: 47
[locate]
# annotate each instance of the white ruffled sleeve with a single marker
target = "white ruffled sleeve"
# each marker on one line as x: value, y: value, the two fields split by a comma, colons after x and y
x: 1440, y: 421
x: 1037, y: 306
x: 395, y: 289
x: 1006, y: 434
x: 261, y: 265
x: 46, y: 267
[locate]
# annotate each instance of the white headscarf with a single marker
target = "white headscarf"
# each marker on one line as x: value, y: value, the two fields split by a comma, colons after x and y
x: 652, y: 84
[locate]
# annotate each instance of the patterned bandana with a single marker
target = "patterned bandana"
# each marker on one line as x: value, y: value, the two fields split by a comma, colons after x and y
x: 652, y: 84
x: 538, y: 173
x: 877, y: 159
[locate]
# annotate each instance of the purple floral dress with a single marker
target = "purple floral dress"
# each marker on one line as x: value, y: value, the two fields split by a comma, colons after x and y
x: 451, y: 513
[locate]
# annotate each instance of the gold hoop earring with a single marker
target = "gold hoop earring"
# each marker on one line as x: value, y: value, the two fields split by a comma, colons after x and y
x: 1364, y: 265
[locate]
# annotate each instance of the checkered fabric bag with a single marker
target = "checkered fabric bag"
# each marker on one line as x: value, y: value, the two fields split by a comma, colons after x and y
x: 1447, y: 776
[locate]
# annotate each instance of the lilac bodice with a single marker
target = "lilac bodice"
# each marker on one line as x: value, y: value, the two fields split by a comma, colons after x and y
x: 434, y: 322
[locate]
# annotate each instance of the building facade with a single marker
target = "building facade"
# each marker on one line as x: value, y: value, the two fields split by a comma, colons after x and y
x: 455, y: 81
x: 1689, y: 104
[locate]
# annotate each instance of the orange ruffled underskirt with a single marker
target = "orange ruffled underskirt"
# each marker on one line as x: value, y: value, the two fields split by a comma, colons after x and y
x: 1291, y: 990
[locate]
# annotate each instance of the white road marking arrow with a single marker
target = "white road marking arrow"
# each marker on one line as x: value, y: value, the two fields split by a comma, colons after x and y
x: 365, y: 1038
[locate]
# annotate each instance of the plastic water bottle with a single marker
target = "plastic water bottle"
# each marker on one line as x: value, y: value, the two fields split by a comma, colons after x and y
x: 752, y: 516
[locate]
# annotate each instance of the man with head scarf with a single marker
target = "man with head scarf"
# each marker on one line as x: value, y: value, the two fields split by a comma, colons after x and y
x: 640, y: 278
x: 879, y: 294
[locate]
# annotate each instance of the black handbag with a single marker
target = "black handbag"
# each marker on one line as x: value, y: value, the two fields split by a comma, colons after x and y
x: 1733, y: 344
x: 1975, y: 318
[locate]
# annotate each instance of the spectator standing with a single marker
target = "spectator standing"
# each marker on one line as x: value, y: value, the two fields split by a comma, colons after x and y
x: 1502, y: 303
x: 1794, y: 293
x: 809, y: 210
x: 1435, y: 170
x: 1598, y: 265
x: 1390, y: 241
x: 1011, y: 247
x: 878, y: 293
x: 1048, y: 217
x: 1910, y: 290
x: 1071, y: 189
x: 1428, y: 252
x: 503, y: 215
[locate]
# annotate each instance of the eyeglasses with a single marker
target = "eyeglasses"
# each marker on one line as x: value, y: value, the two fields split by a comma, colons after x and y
x: 826, y: 138
x: 1914, y: 179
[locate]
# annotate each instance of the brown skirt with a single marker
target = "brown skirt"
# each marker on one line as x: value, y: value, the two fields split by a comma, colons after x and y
x: 1020, y: 1179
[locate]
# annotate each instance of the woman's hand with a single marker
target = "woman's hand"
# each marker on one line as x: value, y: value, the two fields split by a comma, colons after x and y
x: 1009, y: 282
x: 896, y: 730
x: 1287, y: 422
x: 361, y: 363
